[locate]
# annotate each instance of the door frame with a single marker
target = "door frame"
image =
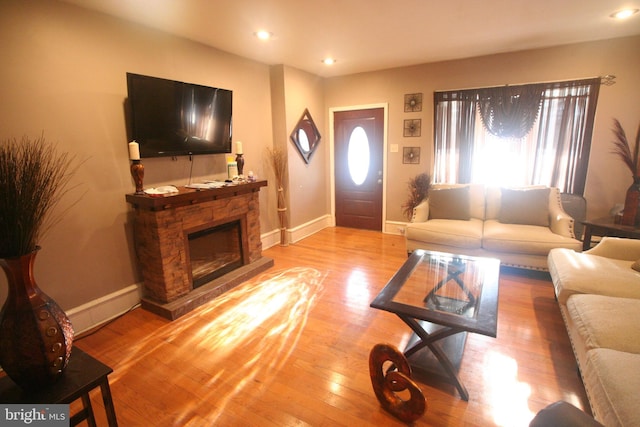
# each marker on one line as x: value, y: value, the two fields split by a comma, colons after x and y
x: 332, y: 165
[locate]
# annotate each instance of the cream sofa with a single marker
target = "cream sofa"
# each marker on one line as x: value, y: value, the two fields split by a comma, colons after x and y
x: 518, y: 226
x: 598, y: 293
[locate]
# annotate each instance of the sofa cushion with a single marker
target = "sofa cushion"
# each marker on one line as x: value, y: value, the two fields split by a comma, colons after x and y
x: 612, y: 379
x: 597, y: 327
x: 636, y: 265
x: 460, y: 234
x: 493, y: 199
x: 524, y: 206
x: 519, y: 238
x: 581, y: 273
x: 476, y: 197
x: 449, y: 203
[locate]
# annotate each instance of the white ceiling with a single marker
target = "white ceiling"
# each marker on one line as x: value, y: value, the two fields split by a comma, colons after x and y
x: 367, y: 35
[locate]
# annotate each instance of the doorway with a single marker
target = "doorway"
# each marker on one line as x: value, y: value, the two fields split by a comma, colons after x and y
x: 359, y: 166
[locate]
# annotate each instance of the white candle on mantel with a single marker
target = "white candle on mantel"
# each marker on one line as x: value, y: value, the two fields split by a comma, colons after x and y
x: 239, y: 147
x: 134, y: 151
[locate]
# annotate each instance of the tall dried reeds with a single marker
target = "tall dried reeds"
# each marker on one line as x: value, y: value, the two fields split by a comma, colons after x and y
x: 33, y: 180
x: 278, y: 161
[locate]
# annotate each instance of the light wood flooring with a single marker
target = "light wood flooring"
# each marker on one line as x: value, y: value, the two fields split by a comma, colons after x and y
x: 291, y: 348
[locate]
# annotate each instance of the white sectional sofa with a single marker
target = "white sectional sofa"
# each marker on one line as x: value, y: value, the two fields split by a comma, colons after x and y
x: 519, y: 226
x: 598, y: 293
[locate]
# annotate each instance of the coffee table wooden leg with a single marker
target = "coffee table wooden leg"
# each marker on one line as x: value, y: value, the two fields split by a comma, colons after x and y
x: 428, y: 340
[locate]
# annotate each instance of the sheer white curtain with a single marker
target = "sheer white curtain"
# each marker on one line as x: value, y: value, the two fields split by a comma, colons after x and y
x: 503, y: 161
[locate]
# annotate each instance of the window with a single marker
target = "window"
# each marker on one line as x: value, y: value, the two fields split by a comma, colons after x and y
x: 537, y: 134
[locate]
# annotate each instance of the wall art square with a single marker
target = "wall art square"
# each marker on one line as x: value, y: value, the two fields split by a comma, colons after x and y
x: 411, y: 155
x: 412, y: 127
x: 412, y: 102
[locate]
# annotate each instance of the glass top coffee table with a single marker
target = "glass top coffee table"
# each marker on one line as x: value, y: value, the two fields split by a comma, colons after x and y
x: 442, y: 297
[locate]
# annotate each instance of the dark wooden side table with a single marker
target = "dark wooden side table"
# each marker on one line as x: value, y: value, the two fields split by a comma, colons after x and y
x: 83, y: 374
x: 607, y: 227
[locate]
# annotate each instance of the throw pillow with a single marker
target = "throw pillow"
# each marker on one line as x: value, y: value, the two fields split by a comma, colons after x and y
x: 530, y: 206
x: 636, y: 265
x: 449, y: 203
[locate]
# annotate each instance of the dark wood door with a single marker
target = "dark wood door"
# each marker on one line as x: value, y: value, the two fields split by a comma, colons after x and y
x: 359, y: 149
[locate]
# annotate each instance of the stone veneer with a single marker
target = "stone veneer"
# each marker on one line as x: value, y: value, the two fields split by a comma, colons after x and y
x: 161, y: 229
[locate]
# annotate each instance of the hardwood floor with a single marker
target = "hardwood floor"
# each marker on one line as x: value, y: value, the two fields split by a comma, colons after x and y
x: 291, y: 347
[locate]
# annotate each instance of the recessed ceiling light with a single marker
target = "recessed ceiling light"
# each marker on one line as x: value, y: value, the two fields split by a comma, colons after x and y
x: 263, y: 35
x: 624, y: 13
x: 328, y: 61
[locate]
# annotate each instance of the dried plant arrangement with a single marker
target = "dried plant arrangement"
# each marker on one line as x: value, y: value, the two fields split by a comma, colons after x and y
x: 622, y: 148
x: 418, y: 190
x: 278, y: 161
x: 33, y: 180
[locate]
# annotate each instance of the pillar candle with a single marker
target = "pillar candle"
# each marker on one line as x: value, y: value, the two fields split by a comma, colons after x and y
x: 134, y: 151
x: 239, y: 147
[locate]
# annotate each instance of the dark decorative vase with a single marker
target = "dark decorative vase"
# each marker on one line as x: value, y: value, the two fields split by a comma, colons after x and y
x: 631, y: 213
x: 240, y: 163
x: 35, y: 334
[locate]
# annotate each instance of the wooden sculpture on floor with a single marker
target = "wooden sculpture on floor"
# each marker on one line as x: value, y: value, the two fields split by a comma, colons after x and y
x: 387, y: 384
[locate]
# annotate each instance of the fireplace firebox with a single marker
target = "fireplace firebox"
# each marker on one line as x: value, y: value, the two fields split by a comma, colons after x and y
x: 215, y: 251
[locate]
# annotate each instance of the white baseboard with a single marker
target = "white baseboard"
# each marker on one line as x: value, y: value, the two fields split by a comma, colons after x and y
x: 272, y: 238
x: 394, y: 227
x: 101, y: 310
x: 309, y: 228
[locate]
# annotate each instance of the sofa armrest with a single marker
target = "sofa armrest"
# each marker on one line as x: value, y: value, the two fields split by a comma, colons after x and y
x: 561, y: 222
x: 617, y: 248
x: 421, y: 212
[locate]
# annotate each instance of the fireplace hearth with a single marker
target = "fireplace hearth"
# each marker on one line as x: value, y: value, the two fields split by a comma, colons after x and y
x: 194, y: 245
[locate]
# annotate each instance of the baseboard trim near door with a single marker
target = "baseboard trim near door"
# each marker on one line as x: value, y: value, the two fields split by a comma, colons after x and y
x: 394, y: 227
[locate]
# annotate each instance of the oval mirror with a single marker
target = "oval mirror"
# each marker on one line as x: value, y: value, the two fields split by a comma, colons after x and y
x: 304, y: 140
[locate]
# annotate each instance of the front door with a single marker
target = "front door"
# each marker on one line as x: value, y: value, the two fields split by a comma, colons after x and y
x: 359, y: 150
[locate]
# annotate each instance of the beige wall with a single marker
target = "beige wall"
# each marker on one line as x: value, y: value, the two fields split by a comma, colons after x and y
x: 307, y: 188
x: 308, y: 183
x: 607, y: 180
x: 64, y: 74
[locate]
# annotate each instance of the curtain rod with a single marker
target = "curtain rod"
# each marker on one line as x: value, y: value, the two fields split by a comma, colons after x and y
x: 606, y: 80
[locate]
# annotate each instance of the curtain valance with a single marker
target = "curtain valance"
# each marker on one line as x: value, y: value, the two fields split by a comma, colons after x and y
x: 510, y: 111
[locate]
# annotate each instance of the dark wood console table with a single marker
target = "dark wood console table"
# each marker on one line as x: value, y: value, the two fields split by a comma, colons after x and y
x: 83, y: 374
x: 607, y: 227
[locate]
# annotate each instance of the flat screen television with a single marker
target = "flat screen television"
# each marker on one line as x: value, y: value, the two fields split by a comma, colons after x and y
x: 172, y: 118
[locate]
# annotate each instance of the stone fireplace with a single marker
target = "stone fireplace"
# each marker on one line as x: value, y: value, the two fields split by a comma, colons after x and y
x: 194, y: 245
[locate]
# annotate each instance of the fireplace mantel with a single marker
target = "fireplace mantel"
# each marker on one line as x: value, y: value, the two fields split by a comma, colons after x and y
x: 162, y: 225
x: 190, y: 196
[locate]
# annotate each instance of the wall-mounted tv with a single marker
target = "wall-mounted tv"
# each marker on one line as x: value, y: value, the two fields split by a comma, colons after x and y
x: 172, y: 118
